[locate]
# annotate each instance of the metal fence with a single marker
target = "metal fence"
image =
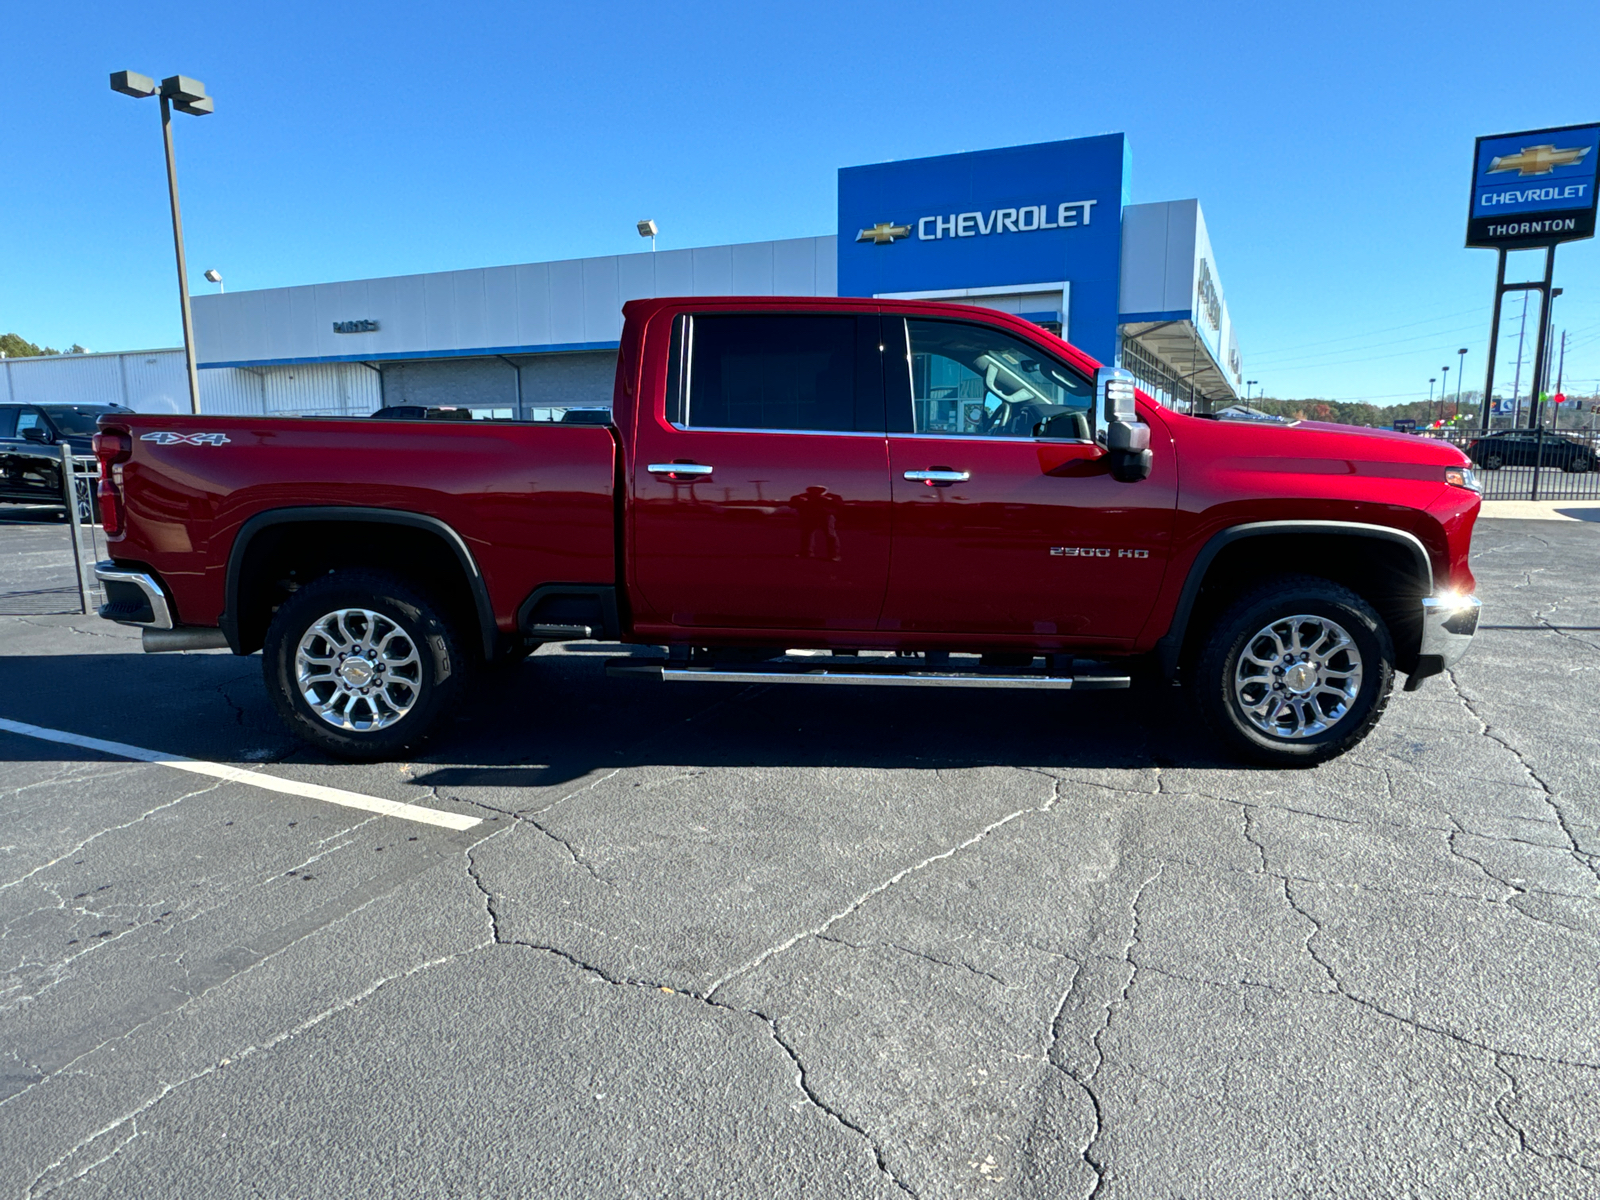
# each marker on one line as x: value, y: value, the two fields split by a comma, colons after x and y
x: 44, y: 573
x: 1531, y: 464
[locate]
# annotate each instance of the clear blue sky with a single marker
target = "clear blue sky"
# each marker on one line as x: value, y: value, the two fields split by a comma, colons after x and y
x: 1330, y: 149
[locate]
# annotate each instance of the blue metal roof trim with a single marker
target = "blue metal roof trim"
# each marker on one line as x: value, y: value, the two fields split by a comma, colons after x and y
x: 413, y: 355
x: 1179, y: 314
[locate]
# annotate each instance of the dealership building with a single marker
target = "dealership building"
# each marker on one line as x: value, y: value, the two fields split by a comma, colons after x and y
x: 1045, y: 231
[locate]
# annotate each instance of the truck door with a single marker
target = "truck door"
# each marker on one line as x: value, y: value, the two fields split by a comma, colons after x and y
x: 760, y: 483
x: 1006, y: 517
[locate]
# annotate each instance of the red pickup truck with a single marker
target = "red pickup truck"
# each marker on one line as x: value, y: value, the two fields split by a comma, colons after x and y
x: 823, y: 491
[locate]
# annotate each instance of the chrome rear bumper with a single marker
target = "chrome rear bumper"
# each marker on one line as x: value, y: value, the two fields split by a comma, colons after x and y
x: 132, y: 597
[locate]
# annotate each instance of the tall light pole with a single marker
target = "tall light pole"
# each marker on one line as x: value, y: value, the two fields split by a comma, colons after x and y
x: 1248, y: 384
x: 1444, y: 387
x: 1461, y: 366
x: 648, y: 229
x: 1549, y: 349
x: 187, y: 96
x: 1431, y: 382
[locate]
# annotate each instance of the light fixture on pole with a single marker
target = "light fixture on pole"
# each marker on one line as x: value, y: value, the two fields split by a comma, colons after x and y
x: 648, y: 229
x: 1444, y: 386
x: 1248, y: 384
x: 215, y: 276
x: 1461, y: 366
x: 1431, y: 382
x: 187, y: 96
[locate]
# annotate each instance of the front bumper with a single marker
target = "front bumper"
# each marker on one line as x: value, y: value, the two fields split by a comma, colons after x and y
x: 1448, y: 624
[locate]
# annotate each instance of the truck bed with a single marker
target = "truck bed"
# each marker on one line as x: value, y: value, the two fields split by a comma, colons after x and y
x: 532, y: 502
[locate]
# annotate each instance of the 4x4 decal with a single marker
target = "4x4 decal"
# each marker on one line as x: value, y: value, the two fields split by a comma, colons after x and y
x: 166, y: 437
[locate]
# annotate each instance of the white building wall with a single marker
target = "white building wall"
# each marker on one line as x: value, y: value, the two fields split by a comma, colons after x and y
x: 1159, y: 260
x: 575, y: 304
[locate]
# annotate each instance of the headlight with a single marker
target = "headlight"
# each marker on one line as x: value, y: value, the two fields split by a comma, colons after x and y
x: 1463, y: 477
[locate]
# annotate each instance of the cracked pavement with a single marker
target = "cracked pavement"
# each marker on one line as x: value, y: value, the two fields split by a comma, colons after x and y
x: 711, y: 941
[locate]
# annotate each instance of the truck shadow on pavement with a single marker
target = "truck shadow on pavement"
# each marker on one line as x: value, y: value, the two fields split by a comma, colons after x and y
x: 558, y: 717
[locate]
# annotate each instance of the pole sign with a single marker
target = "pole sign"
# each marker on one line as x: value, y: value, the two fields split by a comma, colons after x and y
x: 1534, y: 189
x: 1405, y: 424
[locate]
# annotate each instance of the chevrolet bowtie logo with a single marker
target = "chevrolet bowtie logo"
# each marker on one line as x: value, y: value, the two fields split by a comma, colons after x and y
x: 1538, y: 160
x: 883, y: 233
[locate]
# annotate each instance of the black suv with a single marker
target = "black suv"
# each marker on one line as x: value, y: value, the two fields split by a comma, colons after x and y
x: 1521, y: 448
x: 31, y: 437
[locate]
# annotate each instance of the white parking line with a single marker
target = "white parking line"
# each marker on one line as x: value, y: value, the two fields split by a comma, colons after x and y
x: 315, y: 791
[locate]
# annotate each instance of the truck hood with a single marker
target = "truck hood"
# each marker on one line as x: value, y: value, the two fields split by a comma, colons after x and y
x: 1326, y: 440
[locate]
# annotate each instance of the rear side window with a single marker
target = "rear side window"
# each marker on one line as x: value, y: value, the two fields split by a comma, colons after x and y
x: 778, y: 371
x: 8, y: 422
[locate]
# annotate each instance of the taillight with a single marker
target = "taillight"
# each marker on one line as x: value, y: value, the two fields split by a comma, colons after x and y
x: 111, y: 446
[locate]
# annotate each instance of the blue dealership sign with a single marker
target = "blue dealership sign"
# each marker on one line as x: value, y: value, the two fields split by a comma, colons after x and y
x: 1535, y: 188
x: 1024, y: 215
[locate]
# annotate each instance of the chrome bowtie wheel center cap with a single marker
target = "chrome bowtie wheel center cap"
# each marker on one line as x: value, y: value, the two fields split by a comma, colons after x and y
x: 357, y: 672
x: 1301, y: 677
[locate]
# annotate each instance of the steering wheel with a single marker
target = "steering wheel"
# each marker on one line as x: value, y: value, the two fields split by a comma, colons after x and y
x: 1010, y: 403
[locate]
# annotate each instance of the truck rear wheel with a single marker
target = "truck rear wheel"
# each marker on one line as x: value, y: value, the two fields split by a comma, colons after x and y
x: 1295, y: 672
x: 360, y: 663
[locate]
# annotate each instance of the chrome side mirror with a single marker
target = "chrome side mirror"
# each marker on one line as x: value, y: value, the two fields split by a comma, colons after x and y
x: 1127, y: 439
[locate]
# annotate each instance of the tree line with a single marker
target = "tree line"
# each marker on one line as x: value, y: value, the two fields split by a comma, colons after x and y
x: 1424, y: 413
x: 14, y: 345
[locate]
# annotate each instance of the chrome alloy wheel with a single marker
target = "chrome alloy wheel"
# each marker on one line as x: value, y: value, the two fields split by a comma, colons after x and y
x: 358, y: 670
x: 1298, y: 677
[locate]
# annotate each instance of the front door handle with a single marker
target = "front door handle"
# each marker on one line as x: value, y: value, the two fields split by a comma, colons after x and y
x: 679, y: 470
x: 938, y: 476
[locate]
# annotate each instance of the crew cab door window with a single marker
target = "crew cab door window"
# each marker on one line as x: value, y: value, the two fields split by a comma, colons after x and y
x: 8, y: 421
x: 782, y: 519
x: 976, y: 380
x: 777, y: 371
x: 1006, y: 517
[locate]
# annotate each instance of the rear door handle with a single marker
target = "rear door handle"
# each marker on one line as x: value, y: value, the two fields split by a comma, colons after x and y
x: 939, y: 476
x: 679, y: 470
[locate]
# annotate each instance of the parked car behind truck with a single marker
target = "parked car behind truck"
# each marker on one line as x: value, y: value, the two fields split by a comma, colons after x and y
x: 31, y: 437
x: 909, y: 493
x: 1530, y: 447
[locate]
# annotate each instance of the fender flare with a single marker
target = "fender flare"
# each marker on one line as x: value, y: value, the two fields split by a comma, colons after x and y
x: 229, y: 621
x: 1170, y: 645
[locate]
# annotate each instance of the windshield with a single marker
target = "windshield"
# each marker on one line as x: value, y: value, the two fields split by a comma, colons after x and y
x: 76, y: 420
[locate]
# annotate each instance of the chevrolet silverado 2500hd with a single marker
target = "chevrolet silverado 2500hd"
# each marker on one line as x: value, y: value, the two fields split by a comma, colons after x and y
x: 808, y: 491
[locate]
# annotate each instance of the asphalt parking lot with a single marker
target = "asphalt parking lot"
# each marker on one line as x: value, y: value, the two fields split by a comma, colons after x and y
x: 704, y: 941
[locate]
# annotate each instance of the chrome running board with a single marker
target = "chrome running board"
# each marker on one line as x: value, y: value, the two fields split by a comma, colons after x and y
x: 859, y: 672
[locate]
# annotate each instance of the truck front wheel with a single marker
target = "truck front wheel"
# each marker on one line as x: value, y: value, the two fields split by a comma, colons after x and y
x: 1295, y: 672
x: 359, y: 663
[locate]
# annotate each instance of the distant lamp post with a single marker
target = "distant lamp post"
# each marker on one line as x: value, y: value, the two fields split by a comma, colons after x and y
x: 1461, y: 366
x: 187, y: 96
x: 1431, y: 382
x: 215, y: 276
x: 648, y: 229
x: 1443, y: 388
x: 1248, y: 384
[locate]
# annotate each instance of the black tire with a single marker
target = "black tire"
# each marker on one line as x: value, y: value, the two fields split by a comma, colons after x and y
x: 1578, y: 464
x: 1492, y: 462
x: 1212, y: 682
x: 397, y: 711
